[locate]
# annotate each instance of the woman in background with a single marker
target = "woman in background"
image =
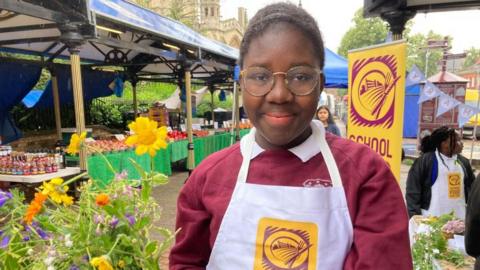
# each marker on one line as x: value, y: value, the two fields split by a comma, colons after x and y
x: 324, y: 115
x: 439, y: 180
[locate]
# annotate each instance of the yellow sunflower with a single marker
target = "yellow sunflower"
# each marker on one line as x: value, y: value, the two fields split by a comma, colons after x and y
x: 147, y: 136
x: 101, y: 263
x: 75, y: 142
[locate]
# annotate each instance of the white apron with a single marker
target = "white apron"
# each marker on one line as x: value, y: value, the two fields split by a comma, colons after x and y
x: 280, y: 227
x: 448, y: 190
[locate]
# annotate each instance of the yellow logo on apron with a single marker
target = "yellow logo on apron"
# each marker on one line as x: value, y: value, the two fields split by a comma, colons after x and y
x: 283, y: 244
x: 454, y: 185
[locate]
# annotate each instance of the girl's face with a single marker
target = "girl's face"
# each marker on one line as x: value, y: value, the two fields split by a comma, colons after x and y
x: 322, y: 115
x: 282, y: 119
x: 446, y: 146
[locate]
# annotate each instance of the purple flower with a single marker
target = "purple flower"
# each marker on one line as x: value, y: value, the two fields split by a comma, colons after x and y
x: 26, y: 238
x: 74, y: 267
x: 5, y: 241
x: 114, y: 222
x: 98, y: 219
x: 4, y: 197
x: 42, y: 234
x: 121, y: 176
x: 130, y: 218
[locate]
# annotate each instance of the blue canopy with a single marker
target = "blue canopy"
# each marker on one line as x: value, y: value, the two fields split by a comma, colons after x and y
x: 17, y: 79
x: 335, y: 70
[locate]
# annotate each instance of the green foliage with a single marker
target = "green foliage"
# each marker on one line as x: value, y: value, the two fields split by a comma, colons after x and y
x: 364, y: 32
x: 433, y: 245
x: 206, y: 104
x: 370, y: 31
x: 473, y: 55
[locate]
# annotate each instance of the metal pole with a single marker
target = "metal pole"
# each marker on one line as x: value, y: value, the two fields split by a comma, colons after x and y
x: 234, y: 113
x: 56, y: 105
x: 426, y: 62
x: 237, y: 116
x: 474, y: 136
x: 191, y: 153
x: 78, y: 100
x: 135, y: 103
x: 212, y: 106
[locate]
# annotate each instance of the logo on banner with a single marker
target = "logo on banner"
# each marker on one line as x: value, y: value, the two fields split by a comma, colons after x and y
x: 375, y: 82
x: 285, y: 245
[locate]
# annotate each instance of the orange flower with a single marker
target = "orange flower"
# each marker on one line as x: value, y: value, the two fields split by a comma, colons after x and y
x: 34, y: 207
x: 102, y: 199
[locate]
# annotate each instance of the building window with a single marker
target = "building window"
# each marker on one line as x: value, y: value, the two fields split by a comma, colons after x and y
x: 206, y: 12
x: 212, y: 11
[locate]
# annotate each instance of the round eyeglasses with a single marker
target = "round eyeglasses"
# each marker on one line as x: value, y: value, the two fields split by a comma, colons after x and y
x: 300, y: 80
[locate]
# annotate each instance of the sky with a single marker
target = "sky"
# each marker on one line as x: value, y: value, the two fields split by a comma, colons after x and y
x: 335, y: 18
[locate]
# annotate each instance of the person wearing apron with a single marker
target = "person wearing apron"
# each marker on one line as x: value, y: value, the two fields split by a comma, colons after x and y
x: 289, y: 195
x: 440, y: 179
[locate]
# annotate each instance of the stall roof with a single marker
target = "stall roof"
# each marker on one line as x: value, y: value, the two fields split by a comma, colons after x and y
x: 116, y: 33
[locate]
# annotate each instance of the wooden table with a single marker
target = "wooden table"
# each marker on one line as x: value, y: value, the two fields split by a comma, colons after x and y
x: 32, y: 179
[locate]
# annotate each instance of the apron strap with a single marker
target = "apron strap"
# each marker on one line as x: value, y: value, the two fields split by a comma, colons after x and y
x: 318, y: 131
x: 246, y: 147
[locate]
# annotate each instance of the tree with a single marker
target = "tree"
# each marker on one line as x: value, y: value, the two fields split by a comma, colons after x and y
x: 182, y: 11
x: 417, y: 52
x: 365, y: 32
x: 473, y: 55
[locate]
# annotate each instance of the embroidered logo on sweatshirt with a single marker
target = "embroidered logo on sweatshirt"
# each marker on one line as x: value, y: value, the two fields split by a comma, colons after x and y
x: 283, y: 244
x: 317, y: 183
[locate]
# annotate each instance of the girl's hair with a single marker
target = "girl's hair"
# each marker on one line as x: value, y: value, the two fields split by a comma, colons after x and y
x: 283, y: 13
x: 432, y: 142
x: 330, y: 117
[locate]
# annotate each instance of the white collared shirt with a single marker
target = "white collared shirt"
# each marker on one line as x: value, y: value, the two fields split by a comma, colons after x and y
x: 304, y: 151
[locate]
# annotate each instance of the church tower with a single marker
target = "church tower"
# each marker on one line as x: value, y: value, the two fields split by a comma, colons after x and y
x: 210, y: 13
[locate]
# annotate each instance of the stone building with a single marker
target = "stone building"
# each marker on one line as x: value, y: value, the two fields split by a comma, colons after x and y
x: 204, y: 16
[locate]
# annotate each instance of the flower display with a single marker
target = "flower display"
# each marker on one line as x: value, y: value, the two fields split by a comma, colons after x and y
x: 147, y: 136
x: 103, y: 227
x: 102, y: 199
x: 101, y: 263
x: 75, y: 143
x: 35, y: 207
x: 4, y: 197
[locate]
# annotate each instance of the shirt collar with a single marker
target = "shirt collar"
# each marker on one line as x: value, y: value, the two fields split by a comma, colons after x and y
x: 304, y: 151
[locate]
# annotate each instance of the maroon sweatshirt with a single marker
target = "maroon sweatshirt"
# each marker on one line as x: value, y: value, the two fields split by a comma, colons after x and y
x: 375, y: 202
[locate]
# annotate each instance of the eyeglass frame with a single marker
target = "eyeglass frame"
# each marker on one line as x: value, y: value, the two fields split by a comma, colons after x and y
x: 319, y: 72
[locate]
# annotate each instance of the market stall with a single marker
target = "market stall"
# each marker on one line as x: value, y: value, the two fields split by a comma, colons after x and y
x: 98, y: 35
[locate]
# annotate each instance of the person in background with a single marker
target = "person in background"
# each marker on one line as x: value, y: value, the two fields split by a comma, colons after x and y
x: 472, y: 223
x: 324, y: 115
x: 289, y: 195
x: 439, y: 180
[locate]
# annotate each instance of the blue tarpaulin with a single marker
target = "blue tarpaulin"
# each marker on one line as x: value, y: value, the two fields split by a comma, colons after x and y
x: 17, y: 80
x: 95, y: 84
x: 32, y: 98
x: 410, y: 113
x: 335, y: 70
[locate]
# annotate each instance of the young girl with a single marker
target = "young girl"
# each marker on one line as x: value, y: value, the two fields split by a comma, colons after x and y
x: 323, y: 114
x: 289, y: 195
x: 439, y: 180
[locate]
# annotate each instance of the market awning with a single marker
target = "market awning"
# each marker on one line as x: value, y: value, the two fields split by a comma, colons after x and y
x: 116, y: 33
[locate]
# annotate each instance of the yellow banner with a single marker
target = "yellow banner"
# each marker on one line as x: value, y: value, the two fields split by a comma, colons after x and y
x: 376, y: 80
